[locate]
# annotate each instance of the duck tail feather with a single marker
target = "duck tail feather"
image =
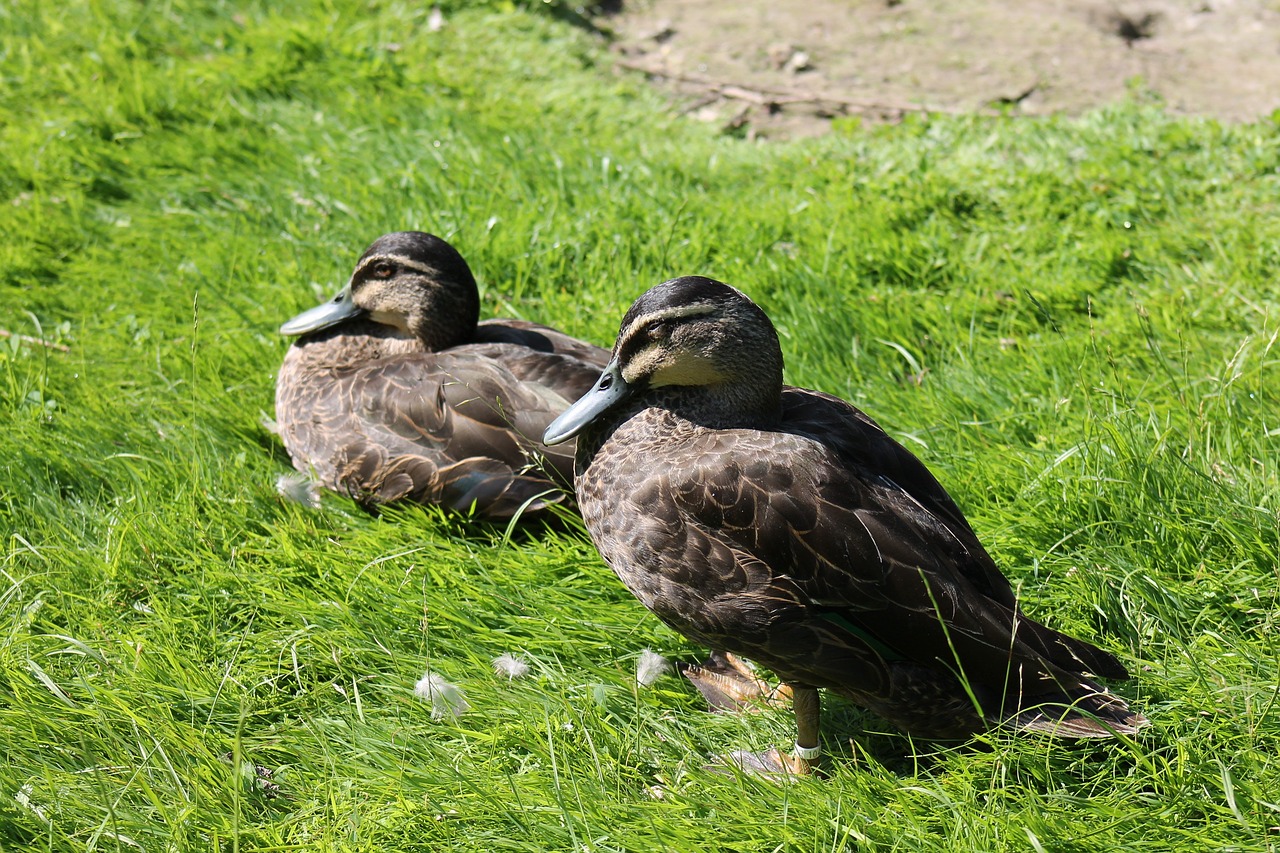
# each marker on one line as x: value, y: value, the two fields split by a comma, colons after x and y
x: 1093, y: 714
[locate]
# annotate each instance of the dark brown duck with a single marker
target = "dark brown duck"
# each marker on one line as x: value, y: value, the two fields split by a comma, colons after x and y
x: 394, y: 391
x: 785, y: 525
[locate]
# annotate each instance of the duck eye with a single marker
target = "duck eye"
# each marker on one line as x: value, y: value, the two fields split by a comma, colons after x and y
x: 384, y: 269
x: 655, y: 328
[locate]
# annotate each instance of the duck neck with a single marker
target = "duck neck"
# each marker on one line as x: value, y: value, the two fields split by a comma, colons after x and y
x: 438, y: 334
x: 354, y: 344
x: 448, y: 319
x: 725, y: 405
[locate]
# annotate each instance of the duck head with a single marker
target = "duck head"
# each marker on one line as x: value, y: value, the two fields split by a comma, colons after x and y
x: 409, y: 280
x: 698, y: 338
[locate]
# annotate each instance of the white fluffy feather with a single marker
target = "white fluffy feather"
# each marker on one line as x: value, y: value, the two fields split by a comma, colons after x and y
x: 300, y: 489
x: 446, y: 698
x: 512, y: 666
x: 650, y: 667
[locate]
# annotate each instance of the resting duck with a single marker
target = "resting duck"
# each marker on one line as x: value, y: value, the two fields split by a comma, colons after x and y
x: 394, y: 391
x: 784, y: 525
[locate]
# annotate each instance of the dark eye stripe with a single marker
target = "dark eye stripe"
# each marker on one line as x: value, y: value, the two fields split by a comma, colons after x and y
x: 630, y: 346
x: 669, y: 317
x: 399, y: 264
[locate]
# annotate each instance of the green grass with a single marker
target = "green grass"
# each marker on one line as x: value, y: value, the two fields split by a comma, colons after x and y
x: 1073, y: 322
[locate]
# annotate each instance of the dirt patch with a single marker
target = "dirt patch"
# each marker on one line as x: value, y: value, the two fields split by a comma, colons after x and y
x: 786, y: 67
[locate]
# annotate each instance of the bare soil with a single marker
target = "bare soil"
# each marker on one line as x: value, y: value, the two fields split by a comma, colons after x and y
x: 784, y: 68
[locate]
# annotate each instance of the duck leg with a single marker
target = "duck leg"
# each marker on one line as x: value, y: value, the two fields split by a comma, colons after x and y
x: 808, y: 710
x: 807, y: 703
x: 730, y: 686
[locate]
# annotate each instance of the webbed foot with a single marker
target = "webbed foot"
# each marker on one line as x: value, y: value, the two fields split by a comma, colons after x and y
x: 730, y: 686
x: 770, y: 764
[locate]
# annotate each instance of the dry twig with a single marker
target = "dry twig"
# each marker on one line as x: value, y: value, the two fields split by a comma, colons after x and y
x: 30, y: 341
x: 768, y: 97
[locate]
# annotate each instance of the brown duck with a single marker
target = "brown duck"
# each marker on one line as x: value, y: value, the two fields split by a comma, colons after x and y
x: 784, y: 525
x: 394, y: 391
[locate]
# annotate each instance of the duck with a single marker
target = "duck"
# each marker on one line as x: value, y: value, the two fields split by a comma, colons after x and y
x: 395, y: 391
x: 783, y: 525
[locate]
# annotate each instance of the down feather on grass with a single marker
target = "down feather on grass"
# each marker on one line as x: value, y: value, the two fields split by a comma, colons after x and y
x: 446, y: 698
x: 650, y: 667
x: 512, y: 666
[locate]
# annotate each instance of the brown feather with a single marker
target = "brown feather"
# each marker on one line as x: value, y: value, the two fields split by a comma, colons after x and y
x: 797, y: 533
x: 377, y: 414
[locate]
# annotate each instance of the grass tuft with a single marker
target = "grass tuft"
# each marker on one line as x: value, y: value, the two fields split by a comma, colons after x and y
x: 1072, y: 321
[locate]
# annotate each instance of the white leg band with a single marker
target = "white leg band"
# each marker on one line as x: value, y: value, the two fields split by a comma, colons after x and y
x: 808, y: 753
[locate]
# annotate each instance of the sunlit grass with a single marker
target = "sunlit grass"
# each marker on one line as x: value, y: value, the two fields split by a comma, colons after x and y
x: 1073, y: 322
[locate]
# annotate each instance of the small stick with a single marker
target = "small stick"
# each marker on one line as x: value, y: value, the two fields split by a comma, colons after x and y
x: 781, y: 97
x: 30, y: 341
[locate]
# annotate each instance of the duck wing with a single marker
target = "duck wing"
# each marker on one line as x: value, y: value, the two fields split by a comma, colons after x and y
x: 913, y: 509
x: 862, y: 445
x: 814, y: 559
x: 457, y: 428
x: 539, y: 338
x: 546, y: 356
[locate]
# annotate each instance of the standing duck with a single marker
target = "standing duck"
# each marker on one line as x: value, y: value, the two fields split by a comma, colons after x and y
x: 394, y: 391
x: 784, y: 525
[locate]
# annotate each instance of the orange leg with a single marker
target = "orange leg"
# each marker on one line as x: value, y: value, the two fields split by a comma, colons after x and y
x: 808, y: 710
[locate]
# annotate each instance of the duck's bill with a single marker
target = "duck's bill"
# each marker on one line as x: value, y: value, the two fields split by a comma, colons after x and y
x: 609, y: 390
x: 324, y: 315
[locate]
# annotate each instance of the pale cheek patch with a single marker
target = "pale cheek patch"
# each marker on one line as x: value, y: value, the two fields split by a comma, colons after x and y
x: 690, y: 370
x: 657, y: 364
x: 386, y: 305
x: 395, y: 321
x: 640, y: 365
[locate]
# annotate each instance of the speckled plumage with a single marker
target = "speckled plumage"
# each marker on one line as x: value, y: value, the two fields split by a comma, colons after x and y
x: 428, y: 405
x: 784, y: 525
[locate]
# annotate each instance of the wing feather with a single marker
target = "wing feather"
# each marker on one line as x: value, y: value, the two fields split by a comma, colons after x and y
x: 829, y: 571
x: 460, y: 428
